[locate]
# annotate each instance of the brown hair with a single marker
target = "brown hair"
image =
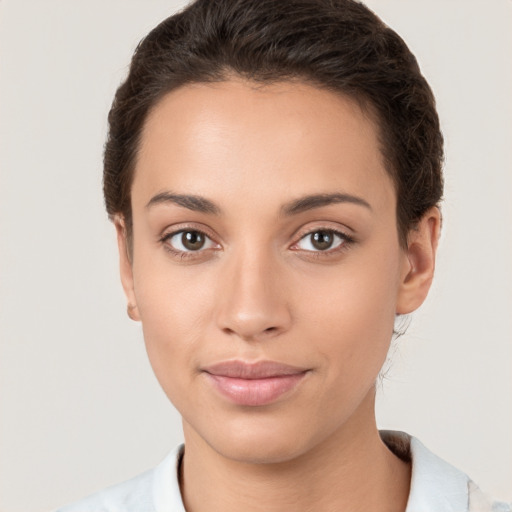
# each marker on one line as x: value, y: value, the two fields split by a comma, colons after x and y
x: 339, y: 45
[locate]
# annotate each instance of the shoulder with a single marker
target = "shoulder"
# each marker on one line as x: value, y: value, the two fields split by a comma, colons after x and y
x: 437, y: 486
x: 480, y: 502
x: 152, y: 491
x: 132, y: 495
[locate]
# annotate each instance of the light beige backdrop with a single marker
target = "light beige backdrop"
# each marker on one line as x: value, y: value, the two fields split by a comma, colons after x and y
x: 79, y: 406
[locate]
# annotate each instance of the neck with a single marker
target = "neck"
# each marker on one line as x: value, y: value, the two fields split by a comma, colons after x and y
x: 351, y: 470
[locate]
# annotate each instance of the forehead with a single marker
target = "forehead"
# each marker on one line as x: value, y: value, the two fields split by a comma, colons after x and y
x: 285, y: 138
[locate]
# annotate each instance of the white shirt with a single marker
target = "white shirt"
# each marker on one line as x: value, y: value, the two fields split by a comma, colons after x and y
x: 436, y: 486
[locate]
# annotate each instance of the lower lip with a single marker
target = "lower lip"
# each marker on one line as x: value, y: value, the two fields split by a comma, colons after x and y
x: 255, y: 392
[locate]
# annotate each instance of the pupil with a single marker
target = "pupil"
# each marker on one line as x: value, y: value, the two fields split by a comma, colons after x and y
x: 192, y: 240
x: 322, y: 240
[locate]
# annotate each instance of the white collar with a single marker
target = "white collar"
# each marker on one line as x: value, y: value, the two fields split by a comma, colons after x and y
x: 435, y: 485
x: 166, y: 487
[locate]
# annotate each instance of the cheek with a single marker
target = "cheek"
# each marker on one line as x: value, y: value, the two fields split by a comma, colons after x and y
x: 351, y: 315
x: 175, y: 305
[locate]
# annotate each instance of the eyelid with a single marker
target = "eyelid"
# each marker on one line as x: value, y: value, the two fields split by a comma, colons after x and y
x: 348, y: 240
x: 171, y: 231
x: 337, y: 241
x: 187, y: 226
x: 335, y: 227
x: 208, y: 242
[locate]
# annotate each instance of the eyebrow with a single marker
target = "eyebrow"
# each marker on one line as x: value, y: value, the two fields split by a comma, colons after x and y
x: 191, y: 202
x: 318, y: 200
x: 302, y: 204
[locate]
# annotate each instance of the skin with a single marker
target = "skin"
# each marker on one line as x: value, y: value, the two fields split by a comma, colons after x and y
x: 259, y: 290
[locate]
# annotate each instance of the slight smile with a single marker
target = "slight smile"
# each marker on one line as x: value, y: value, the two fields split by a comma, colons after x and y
x: 253, y: 384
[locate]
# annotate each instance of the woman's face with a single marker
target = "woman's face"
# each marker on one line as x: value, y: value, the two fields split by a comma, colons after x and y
x: 266, y: 265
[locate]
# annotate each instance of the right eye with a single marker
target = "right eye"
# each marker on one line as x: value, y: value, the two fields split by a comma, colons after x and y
x: 189, y: 240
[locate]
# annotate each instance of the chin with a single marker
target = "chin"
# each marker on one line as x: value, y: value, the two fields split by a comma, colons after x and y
x: 260, y: 440
x: 262, y: 450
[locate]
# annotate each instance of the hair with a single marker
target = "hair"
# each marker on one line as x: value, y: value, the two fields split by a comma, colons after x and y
x: 338, y: 45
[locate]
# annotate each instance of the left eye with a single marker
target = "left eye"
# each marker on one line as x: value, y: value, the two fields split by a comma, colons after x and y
x: 188, y: 241
x: 321, y: 240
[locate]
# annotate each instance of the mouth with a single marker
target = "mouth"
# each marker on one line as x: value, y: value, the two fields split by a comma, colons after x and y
x: 253, y: 384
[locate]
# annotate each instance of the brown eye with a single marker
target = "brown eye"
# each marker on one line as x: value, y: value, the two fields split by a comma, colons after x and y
x: 192, y: 240
x: 321, y: 240
x: 189, y: 241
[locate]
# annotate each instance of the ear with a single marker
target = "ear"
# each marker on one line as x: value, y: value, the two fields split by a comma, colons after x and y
x: 125, y: 267
x: 419, y: 264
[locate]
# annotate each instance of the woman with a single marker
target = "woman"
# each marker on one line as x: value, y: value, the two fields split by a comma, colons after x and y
x: 273, y: 170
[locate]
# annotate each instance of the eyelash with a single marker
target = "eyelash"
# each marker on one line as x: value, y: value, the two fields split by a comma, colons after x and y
x: 346, y: 242
x: 183, y: 255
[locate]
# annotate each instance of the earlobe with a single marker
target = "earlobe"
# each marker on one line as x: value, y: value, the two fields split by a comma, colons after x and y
x: 419, y: 264
x: 125, y: 267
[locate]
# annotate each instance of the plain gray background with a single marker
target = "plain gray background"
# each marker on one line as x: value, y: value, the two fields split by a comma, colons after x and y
x: 80, y: 408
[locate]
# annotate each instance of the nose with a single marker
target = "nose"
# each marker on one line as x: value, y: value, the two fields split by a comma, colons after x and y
x: 253, y: 302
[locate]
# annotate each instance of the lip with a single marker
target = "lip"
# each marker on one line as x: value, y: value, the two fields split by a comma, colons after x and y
x: 253, y: 384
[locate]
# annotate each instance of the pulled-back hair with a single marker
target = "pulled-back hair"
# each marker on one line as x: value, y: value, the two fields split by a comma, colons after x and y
x: 338, y: 45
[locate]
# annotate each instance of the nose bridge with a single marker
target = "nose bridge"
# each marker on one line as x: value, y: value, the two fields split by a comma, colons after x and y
x: 253, y: 301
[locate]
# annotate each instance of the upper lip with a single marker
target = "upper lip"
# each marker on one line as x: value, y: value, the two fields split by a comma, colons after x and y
x: 259, y: 370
